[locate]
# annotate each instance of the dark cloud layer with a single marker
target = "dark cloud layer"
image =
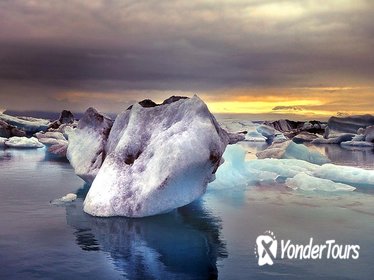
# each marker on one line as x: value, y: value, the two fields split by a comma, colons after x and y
x: 48, y: 48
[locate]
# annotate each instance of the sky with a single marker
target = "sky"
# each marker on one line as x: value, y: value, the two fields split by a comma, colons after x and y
x: 302, y: 59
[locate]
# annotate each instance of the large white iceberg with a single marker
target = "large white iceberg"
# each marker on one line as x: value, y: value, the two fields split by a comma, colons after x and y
x: 86, y: 148
x: 158, y: 158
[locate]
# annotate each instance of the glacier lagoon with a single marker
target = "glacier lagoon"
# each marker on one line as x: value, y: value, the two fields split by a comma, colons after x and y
x: 212, y: 237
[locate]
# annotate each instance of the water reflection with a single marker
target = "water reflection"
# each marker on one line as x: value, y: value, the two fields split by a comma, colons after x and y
x: 183, y: 244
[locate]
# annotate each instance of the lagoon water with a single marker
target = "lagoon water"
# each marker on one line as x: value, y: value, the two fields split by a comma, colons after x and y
x: 213, y: 237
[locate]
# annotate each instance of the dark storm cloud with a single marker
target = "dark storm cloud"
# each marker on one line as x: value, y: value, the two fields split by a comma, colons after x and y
x: 113, y: 46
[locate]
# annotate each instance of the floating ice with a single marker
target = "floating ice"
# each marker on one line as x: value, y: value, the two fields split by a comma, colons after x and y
x: 335, y: 140
x: 345, y: 174
x: 291, y: 150
x: 27, y: 124
x: 70, y: 197
x: 23, y: 142
x: 362, y: 144
x: 349, y: 124
x: 369, y: 134
x: 303, y: 181
x: 158, y: 158
x: 298, y: 174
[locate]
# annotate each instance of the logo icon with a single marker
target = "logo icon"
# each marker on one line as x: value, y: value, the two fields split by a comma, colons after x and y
x: 266, y: 248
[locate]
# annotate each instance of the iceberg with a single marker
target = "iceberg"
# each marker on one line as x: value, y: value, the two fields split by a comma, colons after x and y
x: 23, y: 142
x: 305, y: 182
x: 266, y: 131
x: 343, y: 137
x: 349, y: 124
x: 284, y: 125
x: 369, y: 134
x: 291, y: 150
x: 86, y: 148
x: 159, y: 158
x: 27, y: 124
x: 304, y: 137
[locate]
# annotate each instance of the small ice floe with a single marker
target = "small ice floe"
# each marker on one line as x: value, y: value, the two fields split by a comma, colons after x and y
x: 23, y: 143
x: 305, y: 182
x: 70, y: 197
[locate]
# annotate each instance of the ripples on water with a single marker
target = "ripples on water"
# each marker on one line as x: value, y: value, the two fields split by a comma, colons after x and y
x: 210, y: 237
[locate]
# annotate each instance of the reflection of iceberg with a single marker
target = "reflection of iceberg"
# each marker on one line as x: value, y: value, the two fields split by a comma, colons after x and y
x: 182, y: 244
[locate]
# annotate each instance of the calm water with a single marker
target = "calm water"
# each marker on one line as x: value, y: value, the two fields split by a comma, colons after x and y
x: 212, y: 237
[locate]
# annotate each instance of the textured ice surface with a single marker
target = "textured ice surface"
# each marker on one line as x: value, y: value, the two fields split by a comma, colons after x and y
x: 23, y: 142
x: 297, y: 174
x: 158, y: 158
x: 291, y: 150
x: 27, y: 124
x: 345, y: 174
x: 306, y: 182
x: 350, y: 124
x: 86, y: 149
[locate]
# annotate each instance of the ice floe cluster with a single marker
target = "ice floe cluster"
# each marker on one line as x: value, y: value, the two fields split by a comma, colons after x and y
x: 295, y: 173
x: 33, y: 133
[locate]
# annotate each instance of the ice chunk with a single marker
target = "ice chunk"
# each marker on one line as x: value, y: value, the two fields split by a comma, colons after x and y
x: 353, y: 143
x: 369, y: 134
x: 2, y: 141
x: 86, y: 148
x: 23, y: 142
x: 304, y: 137
x: 282, y: 167
x: 345, y: 174
x: 335, y: 140
x: 27, y: 124
x: 158, y: 158
x: 284, y: 125
x: 306, y: 182
x: 7, y: 130
x: 266, y: 131
x: 350, y: 124
x: 234, y: 170
x: 54, y: 135
x: 279, y: 138
x: 291, y: 150
x: 70, y: 197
